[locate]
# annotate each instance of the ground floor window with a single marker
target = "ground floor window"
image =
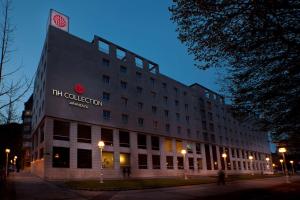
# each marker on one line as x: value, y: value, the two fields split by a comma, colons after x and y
x: 170, y: 164
x: 191, y: 163
x: 84, y: 158
x: 199, y: 163
x: 155, y: 161
x: 180, y: 163
x: 61, y: 157
x: 142, y: 160
x: 124, y: 159
x: 108, y: 160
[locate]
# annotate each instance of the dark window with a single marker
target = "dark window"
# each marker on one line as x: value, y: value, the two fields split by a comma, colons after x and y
x: 142, y: 160
x: 125, y: 119
x: 105, y: 96
x: 179, y: 130
x: 176, y: 102
x: 138, y: 75
x: 124, y: 138
x: 123, y: 84
x: 140, y: 122
x: 164, y: 85
x: 105, y: 62
x: 170, y: 164
x: 167, y: 127
x: 177, y: 116
x: 204, y: 127
x: 61, y: 130
x: 84, y: 133
x: 198, y: 148
x: 232, y: 152
x: 140, y: 105
x: 215, y: 159
x: 106, y: 114
x: 155, y: 124
x: 186, y: 107
x: 205, y: 136
x: 139, y: 90
x: 166, y: 99
x: 153, y: 94
x: 107, y: 136
x: 166, y: 113
x: 180, y: 163
x: 199, y: 163
x: 213, y: 138
x: 211, y: 127
x: 84, y: 158
x: 191, y: 163
x: 189, y: 132
x: 41, y: 153
x: 152, y: 82
x: 123, y: 69
x: 208, y: 158
x: 61, y: 157
x: 187, y: 118
x: 155, y: 142
x: 142, y: 141
x: 105, y: 79
x: 210, y: 116
x: 154, y: 109
x: 124, y: 101
x: 175, y: 90
x: 155, y: 161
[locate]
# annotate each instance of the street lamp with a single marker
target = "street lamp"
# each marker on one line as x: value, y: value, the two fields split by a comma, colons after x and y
x: 7, y: 151
x: 15, y: 161
x: 268, y: 159
x: 224, y: 155
x: 251, y: 160
x: 292, y: 163
x: 281, y: 162
x: 283, y: 150
x: 101, y: 147
x: 183, y: 152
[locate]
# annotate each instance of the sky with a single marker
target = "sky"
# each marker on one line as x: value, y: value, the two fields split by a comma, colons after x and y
x: 141, y: 26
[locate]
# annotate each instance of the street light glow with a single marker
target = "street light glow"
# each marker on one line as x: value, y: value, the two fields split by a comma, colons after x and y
x: 251, y: 157
x: 267, y: 159
x: 291, y: 161
x: 282, y: 150
x: 101, y: 144
x: 281, y: 160
x: 224, y: 155
x: 7, y: 150
x: 183, y: 151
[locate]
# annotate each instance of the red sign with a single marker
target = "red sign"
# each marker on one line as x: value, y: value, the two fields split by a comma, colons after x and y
x: 79, y: 89
x: 59, y: 21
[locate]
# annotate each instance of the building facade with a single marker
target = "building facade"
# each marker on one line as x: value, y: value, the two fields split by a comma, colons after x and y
x: 85, y: 92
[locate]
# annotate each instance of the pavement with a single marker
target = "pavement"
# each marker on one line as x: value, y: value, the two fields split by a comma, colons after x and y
x: 24, y: 186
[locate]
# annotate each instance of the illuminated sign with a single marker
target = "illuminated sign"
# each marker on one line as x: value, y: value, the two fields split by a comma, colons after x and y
x: 77, y: 100
x: 59, y: 20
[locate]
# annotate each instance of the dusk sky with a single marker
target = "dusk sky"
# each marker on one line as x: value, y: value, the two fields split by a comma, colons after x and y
x: 143, y: 27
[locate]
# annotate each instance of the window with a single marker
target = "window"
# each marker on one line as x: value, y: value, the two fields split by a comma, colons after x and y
x: 107, y: 136
x: 179, y: 146
x: 168, y: 145
x: 152, y: 82
x: 232, y: 152
x: 189, y: 148
x: 210, y: 116
x: 125, y: 119
x: 166, y: 100
x: 61, y: 130
x: 84, y: 158
x: 176, y: 90
x: 211, y: 127
x: 105, y: 79
x: 191, y: 163
x: 166, y: 113
x: 42, y: 134
x: 186, y: 107
x: 108, y: 160
x: 187, y: 118
x: 138, y: 76
x: 121, y: 54
x: 123, y: 84
x: 205, y: 136
x: 198, y: 148
x: 124, y: 138
x: 178, y: 117
x: 180, y: 163
x: 142, y: 161
x: 140, y: 122
x: 204, y: 127
x: 199, y: 163
x: 123, y: 69
x: 140, y: 106
x: 124, y: 101
x: 170, y: 164
x: 41, y: 153
x: 106, y: 114
x: 176, y: 103
x: 153, y: 94
x: 124, y: 159
x: 83, y: 133
x: 213, y: 138
x: 139, y: 90
x: 103, y: 46
x: 155, y: 142
x: 164, y: 85
x: 61, y: 157
x: 167, y: 127
x: 105, y: 62
x: 155, y: 124
x: 142, y: 141
x: 189, y: 132
x: 105, y: 96
x: 154, y: 109
x: 155, y: 161
x: 178, y: 129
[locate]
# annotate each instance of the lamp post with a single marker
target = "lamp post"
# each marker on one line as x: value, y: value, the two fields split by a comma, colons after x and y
x: 7, y: 151
x: 224, y: 155
x: 183, y: 152
x: 101, y: 147
x: 251, y: 160
x: 292, y: 163
x: 281, y: 162
x: 283, y: 150
x: 15, y: 161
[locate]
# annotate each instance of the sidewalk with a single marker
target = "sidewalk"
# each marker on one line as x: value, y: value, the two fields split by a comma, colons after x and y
x: 29, y: 187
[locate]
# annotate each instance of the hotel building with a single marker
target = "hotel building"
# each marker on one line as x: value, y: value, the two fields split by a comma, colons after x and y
x: 85, y: 92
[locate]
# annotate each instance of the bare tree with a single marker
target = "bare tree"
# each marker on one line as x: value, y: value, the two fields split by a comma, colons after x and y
x: 11, y: 91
